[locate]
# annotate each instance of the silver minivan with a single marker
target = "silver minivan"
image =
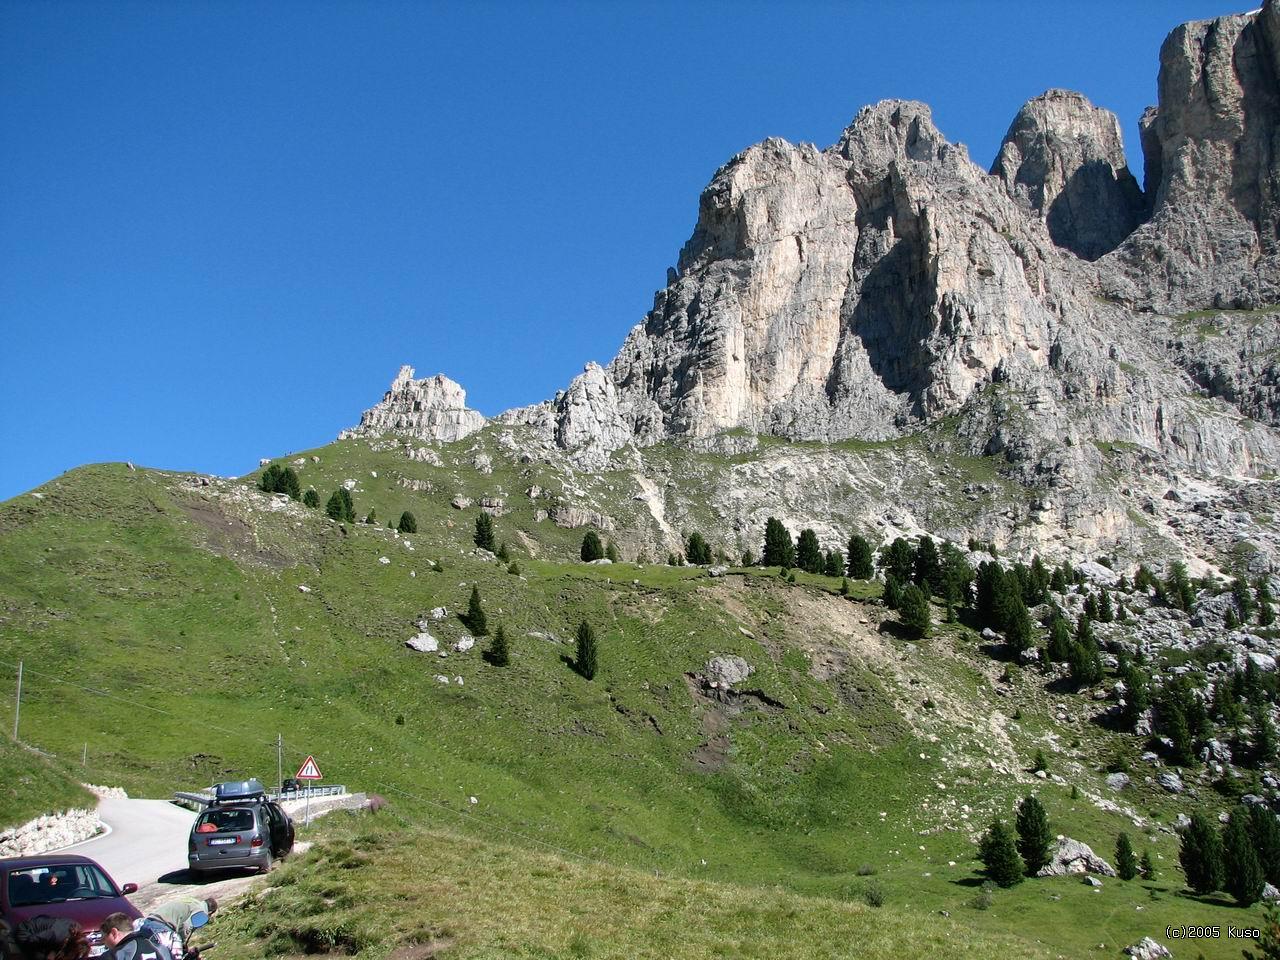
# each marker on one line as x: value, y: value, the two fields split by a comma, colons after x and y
x: 239, y: 828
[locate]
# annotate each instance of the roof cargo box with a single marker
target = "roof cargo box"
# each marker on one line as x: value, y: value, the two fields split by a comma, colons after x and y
x: 238, y: 790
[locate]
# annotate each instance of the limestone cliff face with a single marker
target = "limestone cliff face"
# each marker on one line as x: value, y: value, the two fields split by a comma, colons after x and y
x: 1213, y: 170
x: 1065, y: 158
x: 887, y: 285
x: 434, y: 408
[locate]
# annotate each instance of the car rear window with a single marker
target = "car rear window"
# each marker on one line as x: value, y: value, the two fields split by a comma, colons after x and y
x: 225, y: 821
x: 57, y: 884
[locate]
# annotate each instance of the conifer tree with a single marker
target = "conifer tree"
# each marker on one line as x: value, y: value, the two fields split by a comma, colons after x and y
x: 1148, y: 867
x: 1201, y: 855
x: 1243, y: 597
x: 1126, y: 862
x: 1106, y: 613
x: 610, y: 552
x: 289, y: 484
x: 899, y: 561
x: 1039, y: 582
x: 1173, y: 722
x: 957, y: 575
x: 991, y: 587
x: 269, y: 482
x: 1264, y: 834
x: 504, y: 554
x: 1091, y: 607
x: 1059, y: 646
x: 348, y: 505
x: 913, y: 609
x: 484, y: 535
x: 499, y: 654
x: 409, y: 523
x: 860, y: 567
x: 1016, y: 623
x: 586, y: 661
x: 697, y: 551
x: 371, y: 517
x: 1178, y: 586
x: 1264, y: 736
x: 748, y: 558
x: 592, y: 549
x: 834, y: 564
x: 844, y: 586
x: 808, y: 553
x: 311, y: 498
x: 1266, y: 610
x: 892, y: 592
x: 1033, y: 835
x: 333, y: 508
x: 928, y: 567
x: 1137, y: 694
x: 999, y: 854
x: 476, y: 619
x: 1057, y: 581
x: 1241, y: 871
x: 1143, y: 579
x: 1085, y: 662
x: 779, y: 549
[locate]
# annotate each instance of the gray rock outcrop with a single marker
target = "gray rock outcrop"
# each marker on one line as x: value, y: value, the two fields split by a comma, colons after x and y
x: 1071, y: 857
x: 1212, y: 170
x: 728, y: 671
x: 434, y: 408
x: 1065, y: 158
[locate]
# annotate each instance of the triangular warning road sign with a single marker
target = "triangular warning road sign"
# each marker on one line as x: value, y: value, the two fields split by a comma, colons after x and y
x: 309, y: 770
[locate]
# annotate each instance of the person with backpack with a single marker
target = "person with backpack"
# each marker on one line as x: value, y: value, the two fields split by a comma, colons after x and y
x: 126, y: 943
x: 172, y: 923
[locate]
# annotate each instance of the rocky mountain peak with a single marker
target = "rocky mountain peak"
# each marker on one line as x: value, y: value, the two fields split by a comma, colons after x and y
x: 1065, y: 157
x: 434, y: 408
x: 892, y: 130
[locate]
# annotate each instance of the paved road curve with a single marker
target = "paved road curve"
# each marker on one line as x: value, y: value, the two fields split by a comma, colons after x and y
x: 148, y: 840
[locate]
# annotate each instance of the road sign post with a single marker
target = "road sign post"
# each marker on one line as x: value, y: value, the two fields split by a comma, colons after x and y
x: 309, y: 770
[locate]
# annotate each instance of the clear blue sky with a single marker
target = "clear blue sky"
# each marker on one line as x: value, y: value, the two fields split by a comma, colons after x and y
x: 223, y: 226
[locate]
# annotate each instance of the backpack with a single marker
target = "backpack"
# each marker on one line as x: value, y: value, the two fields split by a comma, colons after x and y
x: 140, y: 946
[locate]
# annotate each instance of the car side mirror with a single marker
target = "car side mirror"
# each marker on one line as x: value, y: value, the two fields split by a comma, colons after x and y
x: 129, y: 888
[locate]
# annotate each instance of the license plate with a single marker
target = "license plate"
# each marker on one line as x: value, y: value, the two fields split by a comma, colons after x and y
x: 221, y: 841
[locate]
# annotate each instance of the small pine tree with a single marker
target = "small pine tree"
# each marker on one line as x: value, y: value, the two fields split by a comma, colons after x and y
x: 1126, y: 862
x: 592, y: 548
x: 371, y: 518
x: 499, y: 654
x: 1106, y: 612
x: 928, y: 566
x: 1243, y: 597
x: 1201, y: 855
x: 899, y: 560
x: 504, y: 554
x: 1038, y: 762
x: 476, y: 619
x: 748, y: 558
x: 514, y: 569
x: 808, y: 553
x: 999, y: 854
x: 348, y: 505
x: 1148, y: 867
x: 333, y: 508
x: 779, y: 549
x: 311, y: 498
x: 610, y: 552
x: 289, y: 484
x: 844, y: 586
x: 860, y: 567
x: 484, y: 536
x: 1264, y: 834
x: 834, y: 564
x: 1264, y: 736
x: 892, y: 592
x: 1178, y: 589
x: 586, y: 661
x: 409, y: 523
x: 697, y: 551
x: 1059, y: 646
x: 1241, y: 871
x: 913, y: 609
x: 1091, y: 607
x: 1173, y: 721
x: 1231, y: 621
x: 1033, y: 835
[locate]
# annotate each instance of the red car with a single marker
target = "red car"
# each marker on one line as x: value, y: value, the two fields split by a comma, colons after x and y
x: 62, y: 886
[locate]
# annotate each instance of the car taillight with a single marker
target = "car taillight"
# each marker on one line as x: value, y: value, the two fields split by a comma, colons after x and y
x: 256, y: 842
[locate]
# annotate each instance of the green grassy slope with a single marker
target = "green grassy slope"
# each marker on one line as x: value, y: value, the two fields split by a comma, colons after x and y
x: 31, y: 785
x: 162, y: 623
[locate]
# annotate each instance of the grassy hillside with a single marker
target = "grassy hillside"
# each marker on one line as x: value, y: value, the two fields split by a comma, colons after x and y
x: 162, y: 622
x: 31, y: 785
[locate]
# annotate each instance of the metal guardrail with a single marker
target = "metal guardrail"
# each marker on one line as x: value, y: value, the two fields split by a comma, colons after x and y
x: 202, y: 799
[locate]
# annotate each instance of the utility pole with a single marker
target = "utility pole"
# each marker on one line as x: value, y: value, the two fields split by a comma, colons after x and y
x: 279, y: 764
x: 17, y: 707
x: 84, y: 757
